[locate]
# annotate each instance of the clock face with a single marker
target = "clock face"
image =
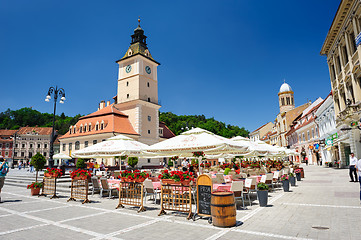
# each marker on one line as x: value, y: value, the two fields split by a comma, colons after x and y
x: 128, y: 69
x: 148, y: 70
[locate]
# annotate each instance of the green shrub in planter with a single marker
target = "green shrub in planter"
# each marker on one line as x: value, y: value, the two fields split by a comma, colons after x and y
x: 132, y: 161
x: 80, y: 163
x: 262, y: 194
x: 38, y: 161
x: 170, y: 163
x: 262, y: 186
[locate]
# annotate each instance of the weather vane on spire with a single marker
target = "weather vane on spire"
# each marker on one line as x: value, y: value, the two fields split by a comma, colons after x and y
x: 284, y: 80
x: 139, y: 21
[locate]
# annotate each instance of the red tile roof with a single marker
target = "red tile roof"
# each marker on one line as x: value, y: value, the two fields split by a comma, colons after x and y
x: 114, y: 122
x: 5, y: 132
x: 167, y: 133
x: 38, y: 130
x: 259, y: 127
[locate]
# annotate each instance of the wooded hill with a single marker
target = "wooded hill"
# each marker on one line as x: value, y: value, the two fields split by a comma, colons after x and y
x: 14, y: 119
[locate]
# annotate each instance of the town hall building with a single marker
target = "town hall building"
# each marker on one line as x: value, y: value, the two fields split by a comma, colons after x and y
x: 135, y: 111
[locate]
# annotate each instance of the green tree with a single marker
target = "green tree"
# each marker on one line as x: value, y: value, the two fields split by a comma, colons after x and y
x: 38, y: 161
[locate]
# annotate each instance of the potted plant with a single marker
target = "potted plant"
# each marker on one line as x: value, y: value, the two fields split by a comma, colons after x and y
x: 80, y: 174
x: 176, y: 177
x: 53, y: 172
x: 38, y: 161
x: 132, y: 161
x: 80, y: 163
x: 262, y: 194
x: 285, y: 183
x: 292, y: 179
x: 35, y: 188
x: 298, y: 174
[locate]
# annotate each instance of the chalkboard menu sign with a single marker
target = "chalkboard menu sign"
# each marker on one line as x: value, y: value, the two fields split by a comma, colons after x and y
x: 204, y: 199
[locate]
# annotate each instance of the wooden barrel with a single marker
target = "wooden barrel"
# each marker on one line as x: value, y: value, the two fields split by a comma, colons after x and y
x: 223, y: 209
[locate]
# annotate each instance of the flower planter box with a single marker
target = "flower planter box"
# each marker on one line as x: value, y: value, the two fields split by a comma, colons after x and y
x: 82, y: 178
x: 293, y: 181
x: 286, y: 185
x: 35, y: 191
x: 262, y: 196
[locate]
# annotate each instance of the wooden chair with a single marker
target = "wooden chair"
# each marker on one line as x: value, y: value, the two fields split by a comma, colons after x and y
x: 105, y: 187
x: 149, y: 190
x: 95, y: 185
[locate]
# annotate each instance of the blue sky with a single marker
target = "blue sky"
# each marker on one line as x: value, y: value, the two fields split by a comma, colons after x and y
x: 224, y: 59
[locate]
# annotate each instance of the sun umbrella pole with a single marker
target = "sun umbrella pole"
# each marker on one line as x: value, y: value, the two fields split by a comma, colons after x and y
x: 199, y: 165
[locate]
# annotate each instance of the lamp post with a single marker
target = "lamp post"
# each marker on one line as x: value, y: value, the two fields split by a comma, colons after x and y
x: 56, y: 92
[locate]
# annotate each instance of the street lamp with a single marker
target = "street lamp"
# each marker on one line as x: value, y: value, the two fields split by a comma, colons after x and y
x: 57, y: 92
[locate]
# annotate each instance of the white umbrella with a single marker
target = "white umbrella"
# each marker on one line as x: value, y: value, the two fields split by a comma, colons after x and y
x: 195, y: 140
x: 61, y: 156
x: 119, y: 145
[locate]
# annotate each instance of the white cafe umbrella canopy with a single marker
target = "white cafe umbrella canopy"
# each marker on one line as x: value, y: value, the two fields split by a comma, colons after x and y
x: 195, y: 140
x: 61, y: 156
x: 119, y: 145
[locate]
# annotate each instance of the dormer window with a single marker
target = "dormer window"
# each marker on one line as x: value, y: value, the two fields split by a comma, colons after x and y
x: 85, y: 126
x: 102, y: 125
x: 97, y: 126
x: 81, y: 129
x: 90, y: 127
x: 130, y: 52
x: 70, y: 129
x: 74, y: 130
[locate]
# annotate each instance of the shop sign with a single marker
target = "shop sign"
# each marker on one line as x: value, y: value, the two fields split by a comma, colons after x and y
x: 334, y: 136
x: 329, y: 141
x: 354, y: 124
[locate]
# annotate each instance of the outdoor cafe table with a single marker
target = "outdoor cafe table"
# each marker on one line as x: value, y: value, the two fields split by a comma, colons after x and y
x: 115, y: 182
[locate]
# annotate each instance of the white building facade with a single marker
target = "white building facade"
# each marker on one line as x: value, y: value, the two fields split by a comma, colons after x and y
x: 326, y: 122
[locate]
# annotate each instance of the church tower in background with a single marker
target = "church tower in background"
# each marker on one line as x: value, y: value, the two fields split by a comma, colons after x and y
x: 285, y: 98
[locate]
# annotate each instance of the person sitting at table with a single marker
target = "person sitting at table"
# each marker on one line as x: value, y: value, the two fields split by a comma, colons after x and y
x: 102, y: 166
x: 90, y: 165
x: 184, y: 165
x: 96, y: 167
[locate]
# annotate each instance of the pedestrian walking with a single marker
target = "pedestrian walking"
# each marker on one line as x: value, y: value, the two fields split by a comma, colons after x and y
x: 4, y: 169
x: 352, y: 166
x: 358, y: 167
x: 306, y: 160
x: 20, y: 164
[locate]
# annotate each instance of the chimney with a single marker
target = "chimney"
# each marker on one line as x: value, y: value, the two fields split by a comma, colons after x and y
x: 108, y: 103
x: 101, y: 104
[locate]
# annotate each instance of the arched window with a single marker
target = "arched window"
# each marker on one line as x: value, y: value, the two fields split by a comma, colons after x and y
x: 77, y: 145
x: 148, y: 99
x: 90, y: 127
x: 85, y: 128
x: 288, y: 100
x: 282, y: 101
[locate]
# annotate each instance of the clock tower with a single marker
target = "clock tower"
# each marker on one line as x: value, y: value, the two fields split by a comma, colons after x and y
x: 137, y: 94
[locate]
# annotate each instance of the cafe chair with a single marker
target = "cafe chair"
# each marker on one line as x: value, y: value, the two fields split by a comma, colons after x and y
x: 95, y: 185
x: 251, y: 185
x: 149, y: 190
x: 106, y: 188
x: 237, y: 189
x: 116, y: 174
x: 219, y: 178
